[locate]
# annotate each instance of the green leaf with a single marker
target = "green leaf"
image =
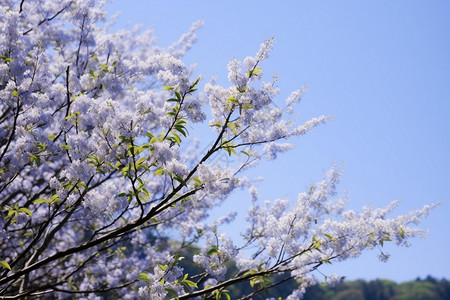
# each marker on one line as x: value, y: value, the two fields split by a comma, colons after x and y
x: 125, y: 169
x: 317, y: 244
x: 82, y: 184
x: 11, y: 212
x: 217, y: 124
x: 140, y: 160
x: 141, y: 183
x: 41, y: 146
x: 171, y: 291
x: 176, y: 138
x: 181, y: 129
x: 190, y: 283
x: 92, y: 73
x: 4, y: 264
x: 93, y: 157
x: 144, y: 277
x: 54, y: 198
x: 104, y: 68
x: 66, y: 147
x: 15, y: 93
x: 228, y: 147
x: 384, y: 240
x: 246, y: 153
x: 178, y: 95
x: 401, y: 232
x: 6, y: 59
x: 51, y: 137
x: 198, y: 182
x: 233, y: 128
x: 227, y: 295
x: 246, y: 106
x: 255, y: 71
x: 232, y: 99
x: 195, y: 82
x: 253, y: 282
x: 160, y: 171
x: 154, y: 139
x: 147, y: 194
x: 180, y: 180
x: 35, y: 159
x: 242, y: 88
x: 167, y: 87
x: 187, y: 282
x: 145, y: 167
x: 330, y: 237
x: 26, y: 210
x: 251, y: 272
x: 110, y: 164
x: 40, y: 200
x: 67, y: 185
x: 213, y: 250
x: 176, y: 258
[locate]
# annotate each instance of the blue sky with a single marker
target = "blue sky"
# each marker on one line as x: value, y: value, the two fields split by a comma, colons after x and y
x: 381, y: 68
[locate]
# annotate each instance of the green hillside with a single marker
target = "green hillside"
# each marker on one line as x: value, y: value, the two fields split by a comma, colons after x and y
x: 381, y: 289
x: 426, y: 289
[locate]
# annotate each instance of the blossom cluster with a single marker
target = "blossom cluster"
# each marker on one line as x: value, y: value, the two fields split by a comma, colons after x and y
x: 101, y: 187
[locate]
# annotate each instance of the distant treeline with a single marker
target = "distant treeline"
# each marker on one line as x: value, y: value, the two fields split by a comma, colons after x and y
x: 420, y: 289
x: 279, y: 287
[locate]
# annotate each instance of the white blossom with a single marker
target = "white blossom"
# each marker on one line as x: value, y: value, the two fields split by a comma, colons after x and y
x: 103, y: 190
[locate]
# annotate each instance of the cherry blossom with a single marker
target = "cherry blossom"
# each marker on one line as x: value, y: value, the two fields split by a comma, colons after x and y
x: 102, y: 189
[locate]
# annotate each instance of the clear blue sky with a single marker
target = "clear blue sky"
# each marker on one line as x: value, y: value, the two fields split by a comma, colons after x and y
x: 382, y: 68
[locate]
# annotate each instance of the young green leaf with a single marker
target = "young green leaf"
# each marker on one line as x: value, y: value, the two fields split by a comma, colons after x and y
x: 195, y: 82
x: 144, y: 277
x: 26, y: 210
x: 4, y: 264
x: 160, y: 171
x: 401, y: 232
x: 180, y: 180
x: 178, y: 95
x: 40, y: 200
x: 173, y: 292
x: 162, y: 267
x: 213, y: 250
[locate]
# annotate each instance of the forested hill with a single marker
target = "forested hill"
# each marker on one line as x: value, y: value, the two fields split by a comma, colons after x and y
x: 420, y: 289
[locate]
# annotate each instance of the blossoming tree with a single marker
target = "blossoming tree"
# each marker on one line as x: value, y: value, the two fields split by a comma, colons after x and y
x: 97, y: 170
